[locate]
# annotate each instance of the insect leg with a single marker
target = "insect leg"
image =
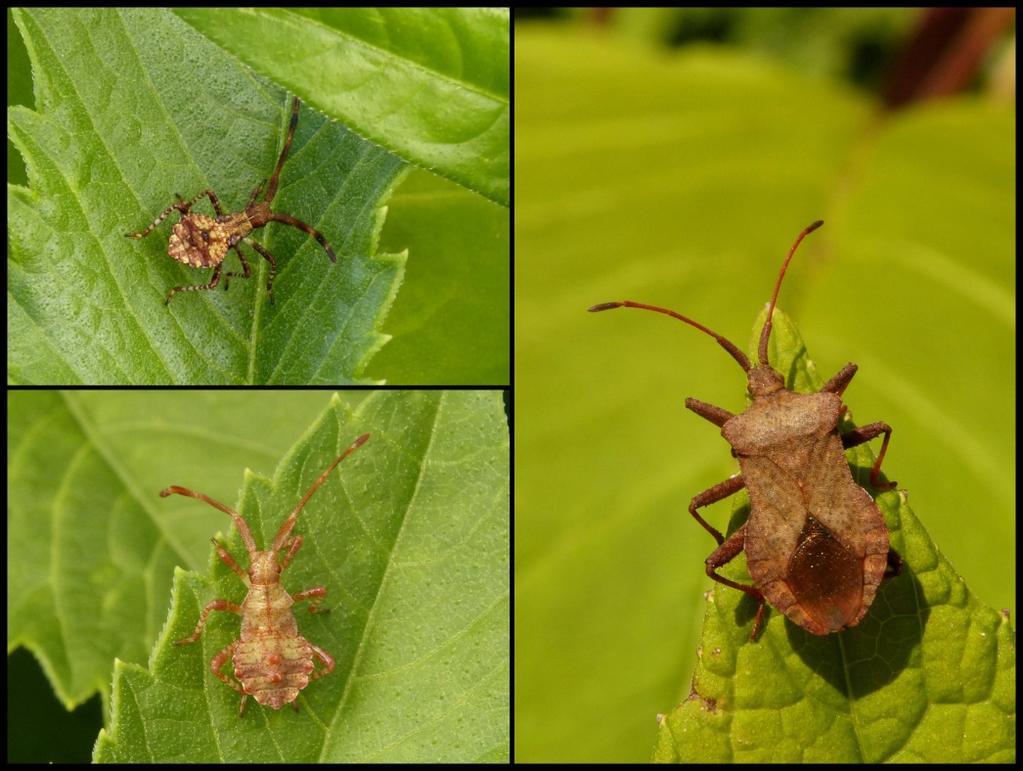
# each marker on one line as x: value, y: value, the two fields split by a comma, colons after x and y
x: 716, y: 415
x: 217, y: 662
x: 894, y: 566
x: 718, y: 492
x: 220, y: 659
x: 214, y: 280
x: 724, y: 554
x: 185, y: 206
x: 315, y: 597
x: 325, y: 658
x: 227, y: 559
x: 273, y: 268
x: 163, y: 215
x: 182, y: 207
x: 271, y: 190
x: 858, y: 436
x: 213, y: 201
x: 245, y: 267
x: 179, y: 206
x: 224, y: 605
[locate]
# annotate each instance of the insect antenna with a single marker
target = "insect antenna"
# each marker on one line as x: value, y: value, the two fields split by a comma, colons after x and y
x: 271, y: 189
x: 305, y: 229
x: 241, y: 524
x: 766, y: 332
x: 723, y: 341
x: 289, y: 523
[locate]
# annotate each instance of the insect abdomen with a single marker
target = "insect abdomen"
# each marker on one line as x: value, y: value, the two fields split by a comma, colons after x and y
x: 273, y: 669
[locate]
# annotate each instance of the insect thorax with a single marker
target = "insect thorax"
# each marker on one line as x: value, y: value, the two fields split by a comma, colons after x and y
x: 781, y: 419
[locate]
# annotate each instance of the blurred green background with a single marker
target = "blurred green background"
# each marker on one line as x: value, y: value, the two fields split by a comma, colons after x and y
x: 680, y: 176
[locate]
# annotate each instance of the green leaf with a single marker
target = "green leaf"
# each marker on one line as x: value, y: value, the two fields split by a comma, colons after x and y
x: 681, y: 181
x: 884, y: 690
x: 409, y: 536
x: 92, y: 553
x: 86, y: 304
x: 452, y: 320
x: 429, y: 84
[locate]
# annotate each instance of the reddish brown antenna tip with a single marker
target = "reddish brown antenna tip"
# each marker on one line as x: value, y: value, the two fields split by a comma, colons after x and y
x: 360, y: 441
x: 766, y: 332
x: 603, y: 307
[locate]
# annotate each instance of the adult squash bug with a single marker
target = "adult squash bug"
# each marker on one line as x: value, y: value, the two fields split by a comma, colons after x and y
x: 816, y: 543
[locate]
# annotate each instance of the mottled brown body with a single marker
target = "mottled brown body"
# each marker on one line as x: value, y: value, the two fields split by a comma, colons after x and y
x: 816, y: 543
x: 200, y: 241
x: 272, y: 660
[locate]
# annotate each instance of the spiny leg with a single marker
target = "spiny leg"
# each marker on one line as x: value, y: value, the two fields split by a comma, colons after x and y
x: 174, y: 207
x: 182, y: 207
x: 213, y: 200
x: 197, y: 287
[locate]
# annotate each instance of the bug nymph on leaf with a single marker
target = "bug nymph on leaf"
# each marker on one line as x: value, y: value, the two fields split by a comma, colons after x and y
x: 200, y: 241
x: 272, y: 661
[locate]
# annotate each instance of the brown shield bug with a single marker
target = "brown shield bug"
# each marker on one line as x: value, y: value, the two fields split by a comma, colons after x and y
x: 272, y: 661
x: 816, y: 543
